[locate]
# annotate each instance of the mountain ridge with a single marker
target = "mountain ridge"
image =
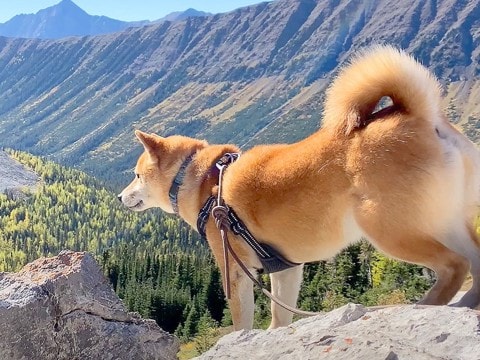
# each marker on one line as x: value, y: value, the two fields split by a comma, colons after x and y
x: 66, y: 19
x: 253, y: 75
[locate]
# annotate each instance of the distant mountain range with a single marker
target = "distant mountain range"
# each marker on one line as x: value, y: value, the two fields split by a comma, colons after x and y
x: 67, y: 19
x: 182, y: 15
x: 253, y: 75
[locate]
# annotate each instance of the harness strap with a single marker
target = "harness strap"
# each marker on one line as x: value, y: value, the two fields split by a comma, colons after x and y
x: 272, y: 261
x: 239, y: 228
x: 203, y: 216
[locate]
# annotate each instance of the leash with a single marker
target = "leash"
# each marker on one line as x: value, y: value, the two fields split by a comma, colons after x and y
x: 220, y: 213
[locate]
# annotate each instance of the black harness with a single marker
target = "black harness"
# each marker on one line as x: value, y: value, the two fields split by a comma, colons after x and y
x: 272, y: 261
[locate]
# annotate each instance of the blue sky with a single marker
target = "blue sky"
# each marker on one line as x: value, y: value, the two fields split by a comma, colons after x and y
x: 127, y: 10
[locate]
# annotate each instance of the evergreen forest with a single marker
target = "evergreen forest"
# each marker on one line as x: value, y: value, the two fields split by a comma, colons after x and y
x: 160, y: 267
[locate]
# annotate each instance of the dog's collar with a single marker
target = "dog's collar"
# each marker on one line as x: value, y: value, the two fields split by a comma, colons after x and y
x: 177, y: 182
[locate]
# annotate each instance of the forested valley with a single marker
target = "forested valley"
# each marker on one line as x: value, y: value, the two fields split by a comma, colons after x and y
x: 160, y: 267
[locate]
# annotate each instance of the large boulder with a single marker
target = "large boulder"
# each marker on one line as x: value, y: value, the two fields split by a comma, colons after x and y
x: 356, y: 332
x: 64, y: 308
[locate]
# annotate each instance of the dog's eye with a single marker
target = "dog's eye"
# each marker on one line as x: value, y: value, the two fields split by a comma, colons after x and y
x: 137, y: 176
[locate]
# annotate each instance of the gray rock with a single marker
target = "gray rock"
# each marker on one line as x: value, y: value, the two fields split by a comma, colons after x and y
x: 407, y: 332
x: 14, y: 175
x: 64, y: 308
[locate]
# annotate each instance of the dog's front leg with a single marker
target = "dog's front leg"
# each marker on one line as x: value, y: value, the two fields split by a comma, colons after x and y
x: 285, y: 287
x: 241, y: 300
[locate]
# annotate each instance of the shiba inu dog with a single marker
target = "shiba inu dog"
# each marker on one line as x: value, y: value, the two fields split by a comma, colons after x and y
x: 402, y: 177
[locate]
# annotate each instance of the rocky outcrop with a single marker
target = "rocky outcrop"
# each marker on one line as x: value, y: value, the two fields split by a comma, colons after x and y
x: 64, y: 308
x: 14, y: 175
x: 357, y: 332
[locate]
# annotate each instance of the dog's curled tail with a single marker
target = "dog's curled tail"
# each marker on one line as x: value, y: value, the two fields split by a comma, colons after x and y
x: 380, y: 72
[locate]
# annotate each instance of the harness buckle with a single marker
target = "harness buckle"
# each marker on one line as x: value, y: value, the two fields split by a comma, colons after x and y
x: 227, y: 159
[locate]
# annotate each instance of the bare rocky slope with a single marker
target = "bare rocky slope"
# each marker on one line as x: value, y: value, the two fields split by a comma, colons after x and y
x: 256, y: 74
x: 14, y: 176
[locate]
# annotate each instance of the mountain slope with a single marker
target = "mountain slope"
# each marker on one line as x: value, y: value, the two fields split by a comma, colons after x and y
x: 253, y: 75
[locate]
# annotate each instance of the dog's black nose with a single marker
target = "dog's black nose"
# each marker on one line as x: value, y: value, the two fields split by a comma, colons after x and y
x: 119, y: 197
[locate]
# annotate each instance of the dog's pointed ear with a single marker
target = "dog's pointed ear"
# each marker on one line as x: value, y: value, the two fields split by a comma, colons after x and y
x: 151, y: 142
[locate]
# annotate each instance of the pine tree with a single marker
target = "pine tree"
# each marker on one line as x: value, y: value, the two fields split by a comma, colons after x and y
x: 191, y: 323
x: 207, y: 333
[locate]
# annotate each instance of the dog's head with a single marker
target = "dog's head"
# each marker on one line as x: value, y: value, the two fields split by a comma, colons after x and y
x: 156, y: 169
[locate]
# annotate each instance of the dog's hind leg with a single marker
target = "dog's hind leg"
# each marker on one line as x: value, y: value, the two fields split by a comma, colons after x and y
x: 450, y: 267
x: 285, y: 287
x: 451, y: 271
x: 471, y: 250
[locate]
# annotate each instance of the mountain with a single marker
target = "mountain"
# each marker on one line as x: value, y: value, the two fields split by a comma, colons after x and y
x: 67, y: 19
x: 62, y: 20
x: 253, y: 75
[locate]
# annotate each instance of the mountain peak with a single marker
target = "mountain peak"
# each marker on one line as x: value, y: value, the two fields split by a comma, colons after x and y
x: 66, y: 7
x: 67, y: 3
x: 64, y: 19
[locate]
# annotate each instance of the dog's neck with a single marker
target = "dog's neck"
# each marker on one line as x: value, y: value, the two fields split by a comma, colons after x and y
x: 201, y: 180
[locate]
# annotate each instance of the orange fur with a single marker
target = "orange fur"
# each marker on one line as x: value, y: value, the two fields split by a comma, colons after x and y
x: 403, y: 178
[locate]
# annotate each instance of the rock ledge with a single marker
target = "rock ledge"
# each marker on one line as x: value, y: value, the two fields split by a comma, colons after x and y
x: 357, y: 332
x: 64, y: 308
